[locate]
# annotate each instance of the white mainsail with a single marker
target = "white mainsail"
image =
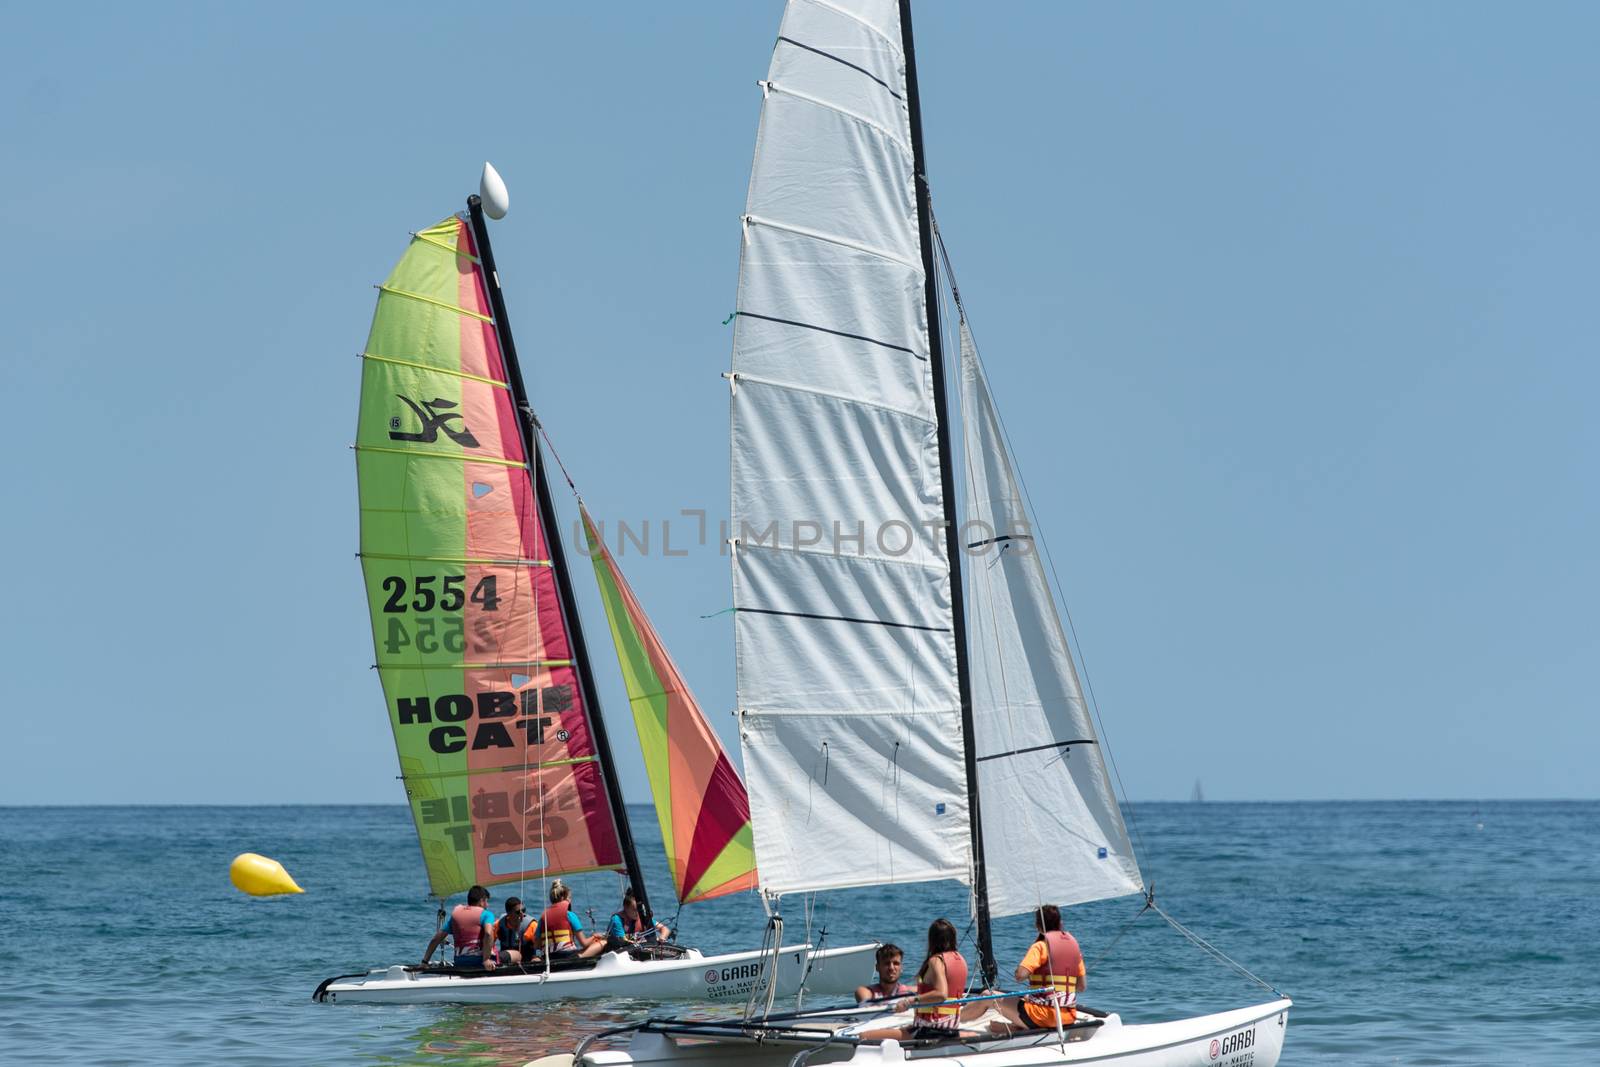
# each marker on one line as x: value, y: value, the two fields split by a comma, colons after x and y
x: 845, y: 649
x: 1052, y: 832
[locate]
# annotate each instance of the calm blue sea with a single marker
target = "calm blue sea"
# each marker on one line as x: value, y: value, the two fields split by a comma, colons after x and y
x: 1411, y: 933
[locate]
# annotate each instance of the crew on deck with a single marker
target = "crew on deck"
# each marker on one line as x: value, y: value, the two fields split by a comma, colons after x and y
x: 471, y: 932
x: 888, y: 986
x: 941, y: 978
x: 1053, y: 968
x: 509, y: 930
x: 628, y: 927
x: 559, y: 931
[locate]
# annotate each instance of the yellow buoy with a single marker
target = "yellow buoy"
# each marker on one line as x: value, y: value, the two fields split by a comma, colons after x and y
x: 260, y: 876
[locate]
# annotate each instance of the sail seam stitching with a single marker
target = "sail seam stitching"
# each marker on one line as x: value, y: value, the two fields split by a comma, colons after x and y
x: 466, y: 771
x: 438, y: 370
x: 448, y: 248
x: 937, y: 569
x: 507, y: 562
x: 834, y: 239
x: 436, y: 303
x: 893, y: 44
x: 998, y: 539
x: 841, y: 60
x: 848, y: 618
x: 755, y: 379
x: 854, y: 116
x: 441, y: 455
x: 531, y: 663
x: 1038, y: 748
x: 837, y: 333
x: 774, y: 712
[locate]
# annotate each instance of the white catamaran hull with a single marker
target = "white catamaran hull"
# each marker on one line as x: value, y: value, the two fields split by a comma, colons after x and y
x: 725, y: 977
x: 1246, y: 1037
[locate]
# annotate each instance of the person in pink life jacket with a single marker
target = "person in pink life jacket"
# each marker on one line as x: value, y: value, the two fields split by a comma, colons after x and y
x: 888, y: 986
x: 471, y: 929
x: 941, y: 980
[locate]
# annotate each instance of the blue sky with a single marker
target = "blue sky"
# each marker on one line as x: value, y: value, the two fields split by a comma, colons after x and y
x: 1290, y: 309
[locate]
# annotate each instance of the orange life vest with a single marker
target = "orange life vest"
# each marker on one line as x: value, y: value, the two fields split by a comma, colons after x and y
x: 943, y: 1016
x: 555, y: 929
x: 1055, y: 985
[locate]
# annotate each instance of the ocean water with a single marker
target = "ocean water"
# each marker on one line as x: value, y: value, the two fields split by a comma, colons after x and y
x: 1409, y: 933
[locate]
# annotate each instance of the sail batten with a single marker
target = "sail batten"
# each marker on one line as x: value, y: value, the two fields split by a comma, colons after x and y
x: 491, y: 725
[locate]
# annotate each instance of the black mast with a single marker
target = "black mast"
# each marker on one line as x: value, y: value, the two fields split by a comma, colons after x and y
x: 952, y: 537
x: 552, y: 533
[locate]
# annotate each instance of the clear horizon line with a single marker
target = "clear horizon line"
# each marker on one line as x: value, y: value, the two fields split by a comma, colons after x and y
x: 650, y: 803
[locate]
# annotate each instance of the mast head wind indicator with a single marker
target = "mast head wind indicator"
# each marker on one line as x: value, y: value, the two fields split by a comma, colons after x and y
x: 492, y: 189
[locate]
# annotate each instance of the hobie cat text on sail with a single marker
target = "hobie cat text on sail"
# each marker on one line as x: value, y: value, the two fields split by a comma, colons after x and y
x: 489, y: 707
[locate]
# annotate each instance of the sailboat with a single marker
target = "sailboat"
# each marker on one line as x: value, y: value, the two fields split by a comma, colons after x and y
x: 900, y: 722
x: 503, y: 749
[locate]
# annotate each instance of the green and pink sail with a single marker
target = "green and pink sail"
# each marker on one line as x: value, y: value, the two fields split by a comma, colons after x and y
x: 700, y: 801
x: 494, y: 741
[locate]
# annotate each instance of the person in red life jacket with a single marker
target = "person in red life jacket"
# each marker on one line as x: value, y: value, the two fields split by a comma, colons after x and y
x: 888, y: 986
x: 559, y: 931
x: 509, y: 930
x: 941, y: 978
x: 471, y: 930
x: 628, y: 926
x: 1053, y: 968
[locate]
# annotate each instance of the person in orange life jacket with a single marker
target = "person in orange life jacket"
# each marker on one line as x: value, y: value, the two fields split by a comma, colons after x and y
x: 627, y: 926
x: 559, y: 930
x: 471, y: 929
x: 510, y: 930
x: 1053, y: 969
x: 942, y: 977
x: 888, y: 986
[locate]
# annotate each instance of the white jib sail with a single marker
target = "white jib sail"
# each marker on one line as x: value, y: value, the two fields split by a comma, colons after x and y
x: 845, y: 648
x: 1052, y: 832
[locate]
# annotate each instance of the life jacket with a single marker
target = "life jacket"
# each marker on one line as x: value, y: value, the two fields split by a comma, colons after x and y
x: 630, y: 928
x: 943, y: 1016
x: 509, y: 936
x: 466, y: 930
x: 1055, y: 985
x: 555, y: 929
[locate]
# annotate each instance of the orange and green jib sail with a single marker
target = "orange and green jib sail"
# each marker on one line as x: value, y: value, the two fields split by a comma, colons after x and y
x: 702, y: 805
x: 489, y: 721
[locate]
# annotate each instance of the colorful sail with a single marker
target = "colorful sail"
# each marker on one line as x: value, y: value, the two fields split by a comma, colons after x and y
x: 702, y: 805
x: 489, y: 721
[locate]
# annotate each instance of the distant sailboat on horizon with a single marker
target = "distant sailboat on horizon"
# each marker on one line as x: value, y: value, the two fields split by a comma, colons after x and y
x: 1198, y: 796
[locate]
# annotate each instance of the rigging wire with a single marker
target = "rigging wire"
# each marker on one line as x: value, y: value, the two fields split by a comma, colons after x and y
x: 1083, y: 660
x: 1210, y: 949
x: 554, y: 454
x: 987, y: 576
x: 976, y: 858
x: 1149, y: 900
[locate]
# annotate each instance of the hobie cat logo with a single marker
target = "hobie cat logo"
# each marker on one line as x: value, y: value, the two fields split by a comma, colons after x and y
x: 434, y: 416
